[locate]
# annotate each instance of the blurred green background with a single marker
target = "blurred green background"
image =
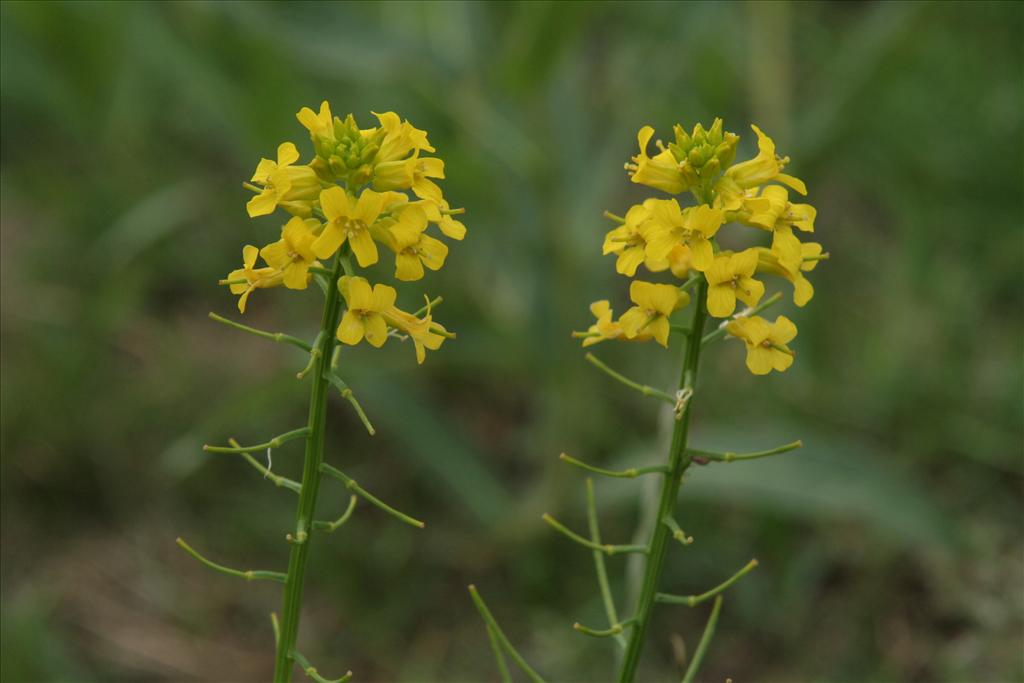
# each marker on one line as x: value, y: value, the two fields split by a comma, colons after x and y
x: 890, y: 546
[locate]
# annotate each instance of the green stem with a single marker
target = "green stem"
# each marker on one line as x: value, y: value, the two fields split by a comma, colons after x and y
x: 694, y: 600
x: 678, y: 461
x: 276, y: 442
x: 614, y: 631
x: 705, y: 640
x: 353, y: 486
x: 636, y: 386
x: 606, y: 548
x: 310, y: 485
x: 599, y: 567
x: 729, y: 456
x: 499, y: 657
x: 278, y: 337
x: 506, y: 644
x: 247, y: 574
x: 630, y: 473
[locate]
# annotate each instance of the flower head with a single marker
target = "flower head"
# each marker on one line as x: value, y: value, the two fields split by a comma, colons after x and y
x: 693, y: 227
x: 290, y: 187
x: 731, y: 276
x: 349, y: 219
x: 654, y: 304
x: 424, y: 332
x: 660, y: 171
x: 249, y: 277
x: 413, y: 247
x: 766, y: 342
x: 292, y: 255
x: 631, y: 239
x: 764, y: 168
x: 364, y: 317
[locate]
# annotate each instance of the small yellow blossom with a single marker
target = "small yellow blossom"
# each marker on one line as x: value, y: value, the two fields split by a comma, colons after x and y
x: 424, y: 332
x: 766, y: 342
x: 440, y: 214
x: 660, y: 171
x: 729, y: 277
x: 630, y: 242
x: 249, y: 277
x: 283, y: 184
x: 400, y: 138
x: 413, y: 247
x: 769, y: 261
x: 366, y: 307
x: 292, y: 255
x: 349, y: 219
x: 764, y: 168
x: 692, y: 227
x: 654, y: 304
x: 319, y: 125
x: 773, y: 211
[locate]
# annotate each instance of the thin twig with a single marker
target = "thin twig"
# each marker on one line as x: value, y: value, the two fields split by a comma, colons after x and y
x: 312, y: 673
x: 330, y: 527
x: 694, y: 600
x: 606, y: 548
x: 502, y: 638
x: 278, y: 337
x: 630, y: 473
x: 729, y: 456
x: 248, y: 574
x: 599, y: 566
x: 355, y: 488
x: 276, y: 442
x: 636, y: 386
x: 705, y: 640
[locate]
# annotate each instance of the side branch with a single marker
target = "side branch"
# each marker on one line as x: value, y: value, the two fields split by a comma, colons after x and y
x: 694, y: 600
x: 355, y: 488
x: 602, y: 573
x: 332, y: 376
x: 605, y: 548
x: 705, y: 641
x: 502, y: 639
x: 330, y: 527
x: 615, y: 629
x: 278, y: 337
x: 276, y: 442
x: 728, y: 456
x: 636, y: 386
x: 677, y: 531
x: 630, y: 473
x: 312, y: 673
x: 276, y: 479
x: 248, y: 575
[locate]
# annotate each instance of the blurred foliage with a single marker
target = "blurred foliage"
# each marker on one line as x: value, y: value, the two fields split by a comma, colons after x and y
x: 891, y: 546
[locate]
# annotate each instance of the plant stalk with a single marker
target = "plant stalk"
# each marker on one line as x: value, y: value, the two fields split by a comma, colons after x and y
x: 678, y: 461
x: 311, y: 474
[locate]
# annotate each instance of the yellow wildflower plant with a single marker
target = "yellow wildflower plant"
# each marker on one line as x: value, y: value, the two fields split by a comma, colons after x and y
x: 667, y: 235
x: 766, y: 342
x: 361, y: 188
x: 664, y: 235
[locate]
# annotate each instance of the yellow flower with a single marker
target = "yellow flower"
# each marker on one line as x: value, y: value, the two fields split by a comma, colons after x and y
x: 319, y: 125
x: 765, y: 167
x: 630, y: 241
x: 292, y: 255
x: 349, y: 219
x: 291, y: 187
x: 654, y: 304
x: 766, y: 342
x: 364, y: 316
x: 400, y: 138
x: 729, y: 277
x: 420, y: 330
x: 660, y: 171
x: 692, y: 227
x: 773, y: 211
x: 769, y: 261
x: 248, y: 277
x: 440, y: 214
x: 604, y: 328
x: 413, y: 247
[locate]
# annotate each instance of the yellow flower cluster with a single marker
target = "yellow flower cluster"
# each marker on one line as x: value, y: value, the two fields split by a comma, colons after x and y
x: 664, y: 236
x: 364, y: 187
